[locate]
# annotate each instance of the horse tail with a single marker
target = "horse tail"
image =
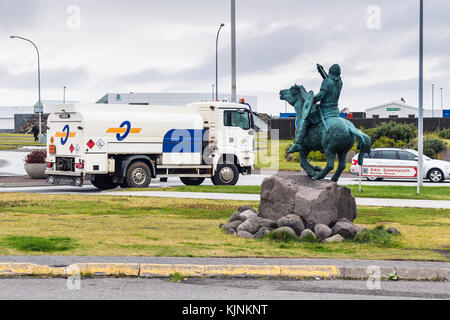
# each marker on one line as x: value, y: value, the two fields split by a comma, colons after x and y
x: 364, y: 143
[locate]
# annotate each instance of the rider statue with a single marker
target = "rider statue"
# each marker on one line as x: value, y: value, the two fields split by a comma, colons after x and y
x: 328, y: 97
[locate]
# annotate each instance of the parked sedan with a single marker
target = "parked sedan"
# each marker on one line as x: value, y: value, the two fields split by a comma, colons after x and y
x: 434, y: 170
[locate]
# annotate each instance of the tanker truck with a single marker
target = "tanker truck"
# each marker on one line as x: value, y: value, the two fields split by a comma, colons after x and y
x: 129, y: 145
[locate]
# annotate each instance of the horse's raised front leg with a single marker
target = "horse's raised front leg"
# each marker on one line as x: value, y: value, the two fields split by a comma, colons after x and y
x: 341, y: 166
x: 330, y: 165
x: 309, y: 169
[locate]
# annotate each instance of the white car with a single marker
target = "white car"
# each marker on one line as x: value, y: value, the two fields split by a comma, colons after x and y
x: 434, y: 170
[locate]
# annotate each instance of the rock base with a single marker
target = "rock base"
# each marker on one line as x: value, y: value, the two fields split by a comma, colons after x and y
x: 293, y: 204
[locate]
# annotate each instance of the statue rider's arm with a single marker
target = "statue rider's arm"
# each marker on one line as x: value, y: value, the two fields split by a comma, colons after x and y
x: 322, y: 93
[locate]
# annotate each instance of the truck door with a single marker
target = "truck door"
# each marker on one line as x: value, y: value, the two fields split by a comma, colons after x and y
x: 237, y: 123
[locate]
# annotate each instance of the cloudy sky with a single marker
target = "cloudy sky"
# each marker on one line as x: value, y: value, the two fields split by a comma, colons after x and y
x: 95, y: 47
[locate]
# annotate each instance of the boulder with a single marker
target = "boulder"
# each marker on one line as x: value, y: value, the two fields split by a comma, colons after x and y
x: 233, y: 225
x: 262, y: 232
x: 250, y: 225
x: 245, y: 207
x: 292, y: 220
x: 230, y: 231
x: 254, y: 223
x: 322, y: 231
x: 236, y: 216
x: 244, y: 234
x: 288, y: 230
x: 345, y: 228
x: 316, y: 202
x: 247, y: 214
x: 307, y: 233
x: 359, y: 228
x: 393, y: 230
x: 335, y: 238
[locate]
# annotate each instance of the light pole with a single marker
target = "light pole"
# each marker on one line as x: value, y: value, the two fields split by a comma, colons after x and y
x: 442, y: 106
x: 420, y: 123
x: 39, y: 82
x: 217, y: 59
x: 212, y: 96
x: 233, y: 50
x: 64, y: 95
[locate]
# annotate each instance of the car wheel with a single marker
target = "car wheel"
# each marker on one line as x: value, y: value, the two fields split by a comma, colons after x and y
x: 138, y: 175
x: 226, y: 175
x: 374, y: 179
x: 103, y: 182
x: 192, y: 181
x: 435, y: 175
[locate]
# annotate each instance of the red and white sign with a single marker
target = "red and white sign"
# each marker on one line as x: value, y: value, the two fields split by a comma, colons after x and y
x: 385, y: 171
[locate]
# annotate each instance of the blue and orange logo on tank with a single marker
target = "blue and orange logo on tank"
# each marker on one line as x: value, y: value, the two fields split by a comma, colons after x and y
x: 123, y: 130
x: 65, y: 134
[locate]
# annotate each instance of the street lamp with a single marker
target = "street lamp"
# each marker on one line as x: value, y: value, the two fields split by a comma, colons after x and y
x: 420, y: 122
x: 217, y: 58
x: 39, y: 83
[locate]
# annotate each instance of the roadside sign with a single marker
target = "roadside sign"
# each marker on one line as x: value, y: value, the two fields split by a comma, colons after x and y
x: 389, y: 172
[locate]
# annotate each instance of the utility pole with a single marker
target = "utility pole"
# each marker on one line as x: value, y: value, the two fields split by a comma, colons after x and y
x: 420, y: 124
x: 233, y: 50
x: 442, y: 106
x: 64, y: 95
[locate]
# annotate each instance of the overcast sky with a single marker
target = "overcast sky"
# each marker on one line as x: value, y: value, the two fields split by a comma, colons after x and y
x: 169, y: 46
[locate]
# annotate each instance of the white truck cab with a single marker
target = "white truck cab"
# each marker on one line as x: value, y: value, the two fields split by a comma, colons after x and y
x: 128, y: 145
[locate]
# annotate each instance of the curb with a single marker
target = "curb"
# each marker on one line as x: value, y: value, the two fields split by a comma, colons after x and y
x: 229, y: 271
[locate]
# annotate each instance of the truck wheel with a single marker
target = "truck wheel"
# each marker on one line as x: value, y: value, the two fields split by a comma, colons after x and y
x: 226, y: 175
x: 138, y: 175
x: 103, y: 182
x: 192, y: 181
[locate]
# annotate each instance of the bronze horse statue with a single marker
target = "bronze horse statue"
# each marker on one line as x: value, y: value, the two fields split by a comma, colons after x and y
x: 337, y: 139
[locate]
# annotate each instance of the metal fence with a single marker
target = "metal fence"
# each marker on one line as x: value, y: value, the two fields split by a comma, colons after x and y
x: 286, y: 126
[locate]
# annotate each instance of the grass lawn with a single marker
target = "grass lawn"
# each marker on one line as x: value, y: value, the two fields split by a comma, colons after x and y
x: 139, y: 226
x: 10, y: 141
x: 391, y: 192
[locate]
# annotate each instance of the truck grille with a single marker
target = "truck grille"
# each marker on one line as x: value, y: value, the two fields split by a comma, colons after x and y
x: 65, y: 164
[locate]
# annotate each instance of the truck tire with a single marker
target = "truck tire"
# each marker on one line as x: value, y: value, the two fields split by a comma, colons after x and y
x: 138, y: 175
x: 227, y: 174
x: 103, y: 182
x: 192, y: 181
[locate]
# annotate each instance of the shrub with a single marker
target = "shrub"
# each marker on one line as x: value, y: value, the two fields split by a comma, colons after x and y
x: 431, y: 146
x: 385, y: 142
x: 37, y: 156
x: 316, y: 156
x: 395, y: 131
x: 444, y: 133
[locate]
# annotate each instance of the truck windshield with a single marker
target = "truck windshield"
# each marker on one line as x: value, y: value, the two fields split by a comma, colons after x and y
x: 237, y: 118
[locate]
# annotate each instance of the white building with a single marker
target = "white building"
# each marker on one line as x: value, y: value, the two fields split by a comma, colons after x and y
x: 7, y: 116
x: 398, y: 109
x: 169, y: 98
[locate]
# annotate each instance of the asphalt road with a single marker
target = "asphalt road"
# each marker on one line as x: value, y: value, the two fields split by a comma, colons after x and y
x: 218, y: 289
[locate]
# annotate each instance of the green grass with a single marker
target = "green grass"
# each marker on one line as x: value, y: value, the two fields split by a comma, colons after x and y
x: 375, y: 191
x: 39, y: 224
x: 10, y: 141
x: 378, y: 237
x: 39, y: 244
